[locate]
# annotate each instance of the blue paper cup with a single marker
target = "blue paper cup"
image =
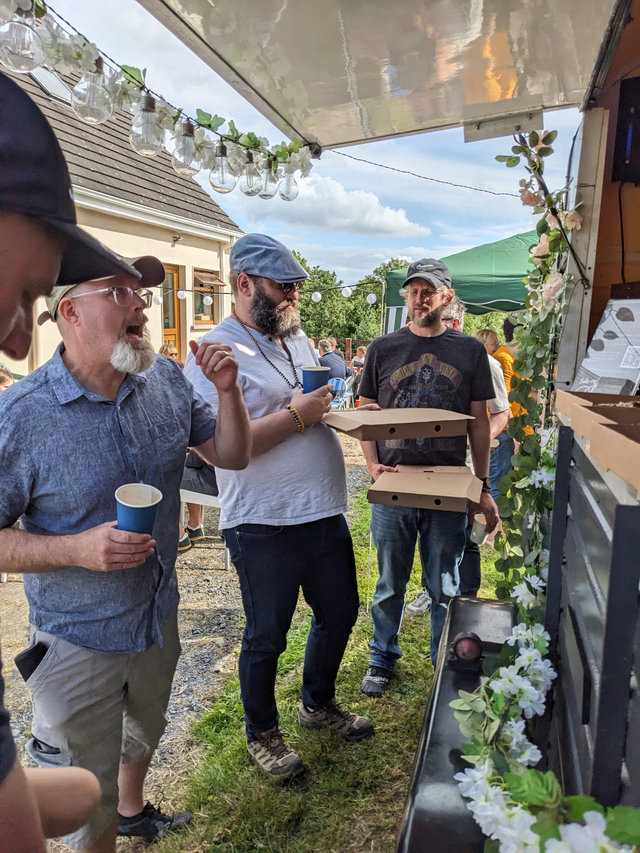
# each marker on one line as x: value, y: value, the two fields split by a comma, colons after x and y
x: 314, y: 378
x: 137, y: 507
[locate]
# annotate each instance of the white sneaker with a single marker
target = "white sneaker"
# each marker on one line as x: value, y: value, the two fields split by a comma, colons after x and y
x: 420, y: 605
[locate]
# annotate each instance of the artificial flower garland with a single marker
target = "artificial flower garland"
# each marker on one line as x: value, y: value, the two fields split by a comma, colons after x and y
x: 519, y: 808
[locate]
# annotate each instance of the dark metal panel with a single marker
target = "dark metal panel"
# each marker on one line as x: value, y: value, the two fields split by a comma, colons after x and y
x: 622, y: 614
x: 436, y: 819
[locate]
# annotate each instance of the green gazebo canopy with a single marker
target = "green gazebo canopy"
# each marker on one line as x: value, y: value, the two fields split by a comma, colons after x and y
x: 487, y: 278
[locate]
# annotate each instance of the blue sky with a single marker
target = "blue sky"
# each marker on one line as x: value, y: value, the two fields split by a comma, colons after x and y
x: 349, y: 217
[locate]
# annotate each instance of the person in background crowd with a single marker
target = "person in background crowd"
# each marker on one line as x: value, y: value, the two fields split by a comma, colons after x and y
x: 169, y: 350
x: 506, y: 356
x: 358, y: 359
x: 329, y: 358
x: 6, y: 379
x: 425, y: 364
x: 500, y: 463
x: 103, y: 601
x: 334, y: 347
x: 283, y: 517
x: 40, y: 244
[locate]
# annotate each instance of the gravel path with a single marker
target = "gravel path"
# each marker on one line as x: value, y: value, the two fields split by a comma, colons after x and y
x: 210, y: 629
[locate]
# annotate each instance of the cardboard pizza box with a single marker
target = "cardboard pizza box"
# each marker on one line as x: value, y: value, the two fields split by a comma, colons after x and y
x: 442, y: 487
x: 616, y: 448
x: 567, y: 400
x: 398, y: 423
x: 583, y: 418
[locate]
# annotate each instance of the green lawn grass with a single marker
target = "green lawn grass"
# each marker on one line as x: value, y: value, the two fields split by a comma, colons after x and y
x: 353, y: 797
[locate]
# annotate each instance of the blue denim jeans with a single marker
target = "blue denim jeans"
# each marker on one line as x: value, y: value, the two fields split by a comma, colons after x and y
x: 273, y: 564
x: 500, y: 462
x: 441, y: 536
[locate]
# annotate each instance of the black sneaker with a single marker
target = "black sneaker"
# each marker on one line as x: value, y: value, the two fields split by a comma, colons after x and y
x: 376, y: 681
x: 151, y: 824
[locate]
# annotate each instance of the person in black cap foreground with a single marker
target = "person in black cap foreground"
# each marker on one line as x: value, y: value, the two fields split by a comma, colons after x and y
x: 425, y: 365
x: 40, y: 244
x: 283, y: 516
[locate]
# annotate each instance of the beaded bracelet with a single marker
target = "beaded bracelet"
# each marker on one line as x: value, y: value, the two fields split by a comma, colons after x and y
x: 297, y: 418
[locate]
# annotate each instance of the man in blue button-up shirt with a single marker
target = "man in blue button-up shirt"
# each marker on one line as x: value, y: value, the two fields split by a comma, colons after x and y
x: 101, y: 413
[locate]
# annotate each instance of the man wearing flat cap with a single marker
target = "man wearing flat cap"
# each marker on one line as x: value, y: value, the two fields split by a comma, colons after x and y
x: 423, y: 365
x: 103, y: 412
x: 282, y: 516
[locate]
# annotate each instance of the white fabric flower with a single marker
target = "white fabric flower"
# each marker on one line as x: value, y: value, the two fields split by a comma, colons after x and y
x: 542, y: 249
x: 526, y: 635
x: 571, y: 219
x: 590, y: 838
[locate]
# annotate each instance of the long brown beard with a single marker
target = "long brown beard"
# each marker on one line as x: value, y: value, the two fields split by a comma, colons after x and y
x: 281, y: 321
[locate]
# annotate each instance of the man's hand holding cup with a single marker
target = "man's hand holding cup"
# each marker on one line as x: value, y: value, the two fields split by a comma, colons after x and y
x: 313, y: 405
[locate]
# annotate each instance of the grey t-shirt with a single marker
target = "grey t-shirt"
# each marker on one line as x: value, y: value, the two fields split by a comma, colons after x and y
x: 7, y: 746
x: 404, y: 370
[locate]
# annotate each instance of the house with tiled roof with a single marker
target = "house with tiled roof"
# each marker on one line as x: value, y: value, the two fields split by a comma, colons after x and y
x: 139, y: 206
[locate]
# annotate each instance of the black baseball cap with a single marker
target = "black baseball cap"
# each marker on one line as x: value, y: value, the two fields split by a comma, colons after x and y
x: 431, y: 270
x: 34, y: 181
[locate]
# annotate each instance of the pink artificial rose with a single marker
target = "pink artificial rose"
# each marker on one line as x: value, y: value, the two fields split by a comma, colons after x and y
x: 552, y: 221
x: 554, y: 283
x: 542, y: 249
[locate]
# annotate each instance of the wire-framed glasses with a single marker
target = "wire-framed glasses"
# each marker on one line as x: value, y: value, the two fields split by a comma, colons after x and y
x: 122, y: 295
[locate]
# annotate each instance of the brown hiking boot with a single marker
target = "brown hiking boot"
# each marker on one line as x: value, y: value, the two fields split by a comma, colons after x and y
x: 333, y: 716
x: 274, y: 756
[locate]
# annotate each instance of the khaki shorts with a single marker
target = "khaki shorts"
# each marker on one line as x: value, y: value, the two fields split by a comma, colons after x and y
x: 96, y: 711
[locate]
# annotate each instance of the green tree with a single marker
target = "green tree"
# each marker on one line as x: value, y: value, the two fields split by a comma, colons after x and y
x: 335, y: 315
x: 474, y: 322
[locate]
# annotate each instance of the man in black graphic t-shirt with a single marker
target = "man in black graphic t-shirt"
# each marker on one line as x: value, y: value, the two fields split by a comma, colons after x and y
x: 423, y: 365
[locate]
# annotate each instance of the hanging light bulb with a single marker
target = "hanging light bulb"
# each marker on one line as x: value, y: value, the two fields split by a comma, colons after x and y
x: 157, y: 300
x: 288, y: 187
x: 208, y: 300
x: 20, y: 45
x: 250, y: 182
x: 182, y: 294
x: 222, y: 177
x: 316, y: 296
x: 90, y: 99
x: 146, y: 136
x: 346, y: 292
x: 183, y: 159
x: 372, y: 298
x: 269, y: 178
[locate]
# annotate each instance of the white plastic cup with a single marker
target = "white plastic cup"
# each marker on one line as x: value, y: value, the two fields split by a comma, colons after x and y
x: 479, y: 529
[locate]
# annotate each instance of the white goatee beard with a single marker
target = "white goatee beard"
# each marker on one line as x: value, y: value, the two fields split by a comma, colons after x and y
x: 127, y: 358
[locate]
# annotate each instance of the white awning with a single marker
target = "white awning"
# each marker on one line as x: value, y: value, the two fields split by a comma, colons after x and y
x: 340, y: 72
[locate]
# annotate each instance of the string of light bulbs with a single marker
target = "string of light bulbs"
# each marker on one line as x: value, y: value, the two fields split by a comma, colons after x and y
x: 316, y: 295
x: 30, y: 38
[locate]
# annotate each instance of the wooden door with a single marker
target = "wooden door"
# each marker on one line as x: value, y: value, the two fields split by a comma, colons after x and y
x: 171, y: 310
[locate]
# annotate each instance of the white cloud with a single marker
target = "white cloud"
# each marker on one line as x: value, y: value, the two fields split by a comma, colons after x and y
x: 325, y: 205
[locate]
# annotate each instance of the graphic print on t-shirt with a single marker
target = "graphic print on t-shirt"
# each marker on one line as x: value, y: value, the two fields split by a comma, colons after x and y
x: 426, y: 383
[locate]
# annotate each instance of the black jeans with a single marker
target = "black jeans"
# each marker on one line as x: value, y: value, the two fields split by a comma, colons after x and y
x: 273, y: 563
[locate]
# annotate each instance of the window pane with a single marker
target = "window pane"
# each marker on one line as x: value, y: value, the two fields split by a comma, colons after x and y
x: 203, y: 313
x: 168, y: 303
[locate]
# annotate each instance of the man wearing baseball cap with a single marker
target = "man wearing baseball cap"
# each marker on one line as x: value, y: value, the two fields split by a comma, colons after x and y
x: 424, y: 365
x: 41, y: 243
x: 282, y: 516
x: 103, y: 412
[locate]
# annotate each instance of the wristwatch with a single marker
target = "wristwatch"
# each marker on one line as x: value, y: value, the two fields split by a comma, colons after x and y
x: 486, y: 485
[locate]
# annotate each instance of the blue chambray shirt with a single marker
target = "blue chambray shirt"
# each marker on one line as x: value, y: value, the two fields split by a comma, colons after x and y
x: 63, y: 453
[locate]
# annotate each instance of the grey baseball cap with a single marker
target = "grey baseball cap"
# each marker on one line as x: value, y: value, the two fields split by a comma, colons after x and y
x: 430, y: 270
x: 258, y: 254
